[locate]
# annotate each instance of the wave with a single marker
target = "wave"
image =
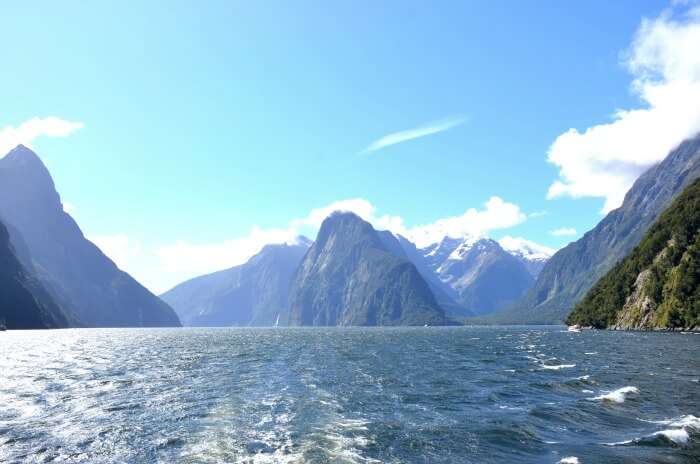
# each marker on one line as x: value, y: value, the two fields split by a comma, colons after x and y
x: 569, y: 460
x: 616, y: 396
x: 557, y: 366
x: 678, y: 435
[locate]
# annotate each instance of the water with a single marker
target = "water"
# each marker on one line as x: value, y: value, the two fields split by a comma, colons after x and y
x: 424, y: 395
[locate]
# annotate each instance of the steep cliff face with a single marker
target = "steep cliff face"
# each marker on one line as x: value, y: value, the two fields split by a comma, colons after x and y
x: 350, y: 277
x: 657, y: 286
x: 24, y: 303
x: 78, y: 275
x: 253, y: 294
x: 573, y: 270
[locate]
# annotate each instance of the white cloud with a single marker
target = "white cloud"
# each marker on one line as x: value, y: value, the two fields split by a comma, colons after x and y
x: 563, y: 232
x: 359, y: 206
x: 604, y: 160
x: 197, y: 259
x: 161, y: 267
x: 498, y: 214
x: 119, y: 248
x: 28, y: 131
x: 69, y: 207
x: 417, y: 132
x: 526, y: 247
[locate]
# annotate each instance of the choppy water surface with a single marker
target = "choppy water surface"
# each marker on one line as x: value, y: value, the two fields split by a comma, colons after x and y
x: 427, y: 395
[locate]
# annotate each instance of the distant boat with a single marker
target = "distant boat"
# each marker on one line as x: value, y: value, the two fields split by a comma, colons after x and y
x: 574, y: 328
x: 3, y: 327
x: 277, y: 322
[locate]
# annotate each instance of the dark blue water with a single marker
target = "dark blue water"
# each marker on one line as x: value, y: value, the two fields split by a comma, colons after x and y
x: 425, y: 395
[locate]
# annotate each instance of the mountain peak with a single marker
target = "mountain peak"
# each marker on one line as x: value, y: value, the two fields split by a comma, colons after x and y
x: 345, y: 224
x: 336, y: 216
x: 22, y: 154
x: 29, y: 181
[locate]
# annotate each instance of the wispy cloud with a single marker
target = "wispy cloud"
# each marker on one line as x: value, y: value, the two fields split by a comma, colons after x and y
x: 563, y: 232
x: 28, y: 131
x: 415, y: 133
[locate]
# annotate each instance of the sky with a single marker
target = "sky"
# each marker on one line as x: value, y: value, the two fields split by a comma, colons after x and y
x: 183, y: 136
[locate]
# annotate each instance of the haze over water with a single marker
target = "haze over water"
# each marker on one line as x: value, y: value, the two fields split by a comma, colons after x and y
x: 465, y: 395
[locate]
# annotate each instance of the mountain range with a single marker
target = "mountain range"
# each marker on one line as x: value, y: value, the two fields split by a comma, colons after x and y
x: 385, y: 280
x: 285, y: 284
x: 87, y: 286
x: 478, y: 273
x: 351, y: 274
x: 573, y: 270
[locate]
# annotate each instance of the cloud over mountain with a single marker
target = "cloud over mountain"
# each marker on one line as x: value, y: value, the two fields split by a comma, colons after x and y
x: 30, y: 130
x: 605, y: 159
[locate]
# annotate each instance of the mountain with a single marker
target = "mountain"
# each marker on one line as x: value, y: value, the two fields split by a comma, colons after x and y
x: 24, y: 303
x: 573, y: 270
x: 443, y: 293
x: 657, y: 286
x: 350, y: 277
x: 252, y: 294
x: 436, y: 254
x: 480, y: 274
x: 532, y: 255
x: 78, y: 275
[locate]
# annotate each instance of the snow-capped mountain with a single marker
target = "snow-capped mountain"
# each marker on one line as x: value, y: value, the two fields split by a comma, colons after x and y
x: 533, y: 255
x: 437, y: 253
x: 479, y: 274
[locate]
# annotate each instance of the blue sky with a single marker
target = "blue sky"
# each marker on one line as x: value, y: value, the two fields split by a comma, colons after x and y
x: 202, y: 121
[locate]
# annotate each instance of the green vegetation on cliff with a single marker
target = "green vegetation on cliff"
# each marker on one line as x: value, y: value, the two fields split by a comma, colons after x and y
x: 658, y: 284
